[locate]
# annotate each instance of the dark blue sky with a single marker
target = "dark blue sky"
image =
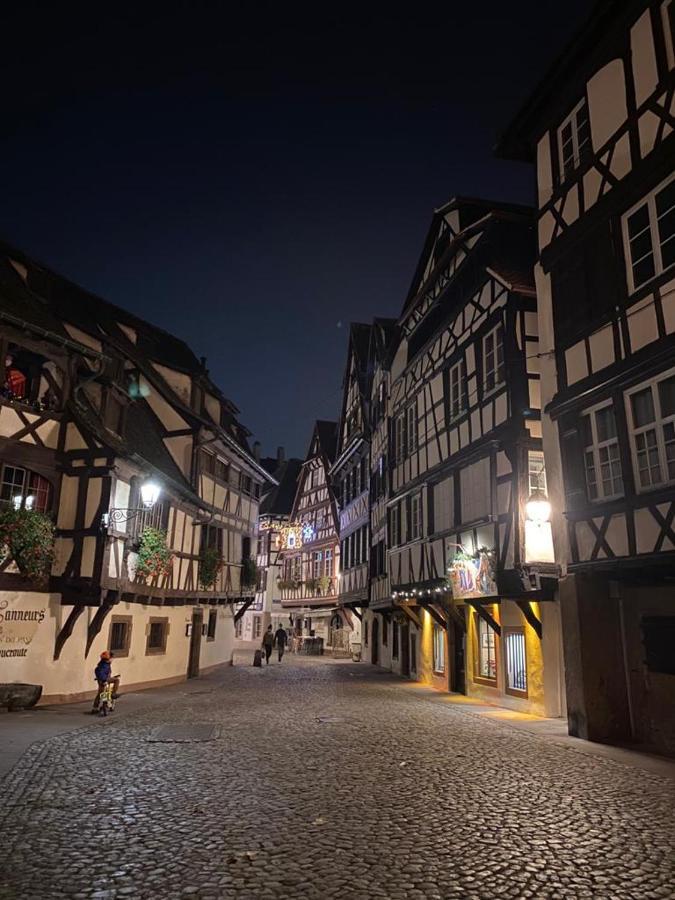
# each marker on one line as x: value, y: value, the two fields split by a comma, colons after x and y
x: 253, y: 177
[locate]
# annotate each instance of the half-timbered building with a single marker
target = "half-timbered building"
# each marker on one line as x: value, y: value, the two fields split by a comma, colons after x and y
x: 310, y: 546
x: 471, y: 577
x: 350, y: 477
x: 276, y: 506
x: 111, y: 430
x: 600, y: 129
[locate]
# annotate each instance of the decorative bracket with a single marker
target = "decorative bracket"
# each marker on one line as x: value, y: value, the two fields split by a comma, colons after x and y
x: 526, y: 609
x: 414, y: 618
x: 485, y: 616
x: 242, y: 609
x: 434, y: 613
x: 67, y: 628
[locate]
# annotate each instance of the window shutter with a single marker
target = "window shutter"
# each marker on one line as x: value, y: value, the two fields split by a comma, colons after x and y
x: 573, y: 468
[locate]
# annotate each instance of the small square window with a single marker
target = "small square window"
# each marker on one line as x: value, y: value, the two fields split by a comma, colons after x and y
x: 158, y: 631
x: 119, y: 637
x: 211, y: 628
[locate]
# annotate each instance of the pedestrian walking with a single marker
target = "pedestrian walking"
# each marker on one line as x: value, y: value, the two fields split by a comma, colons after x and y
x: 280, y: 640
x: 103, y: 676
x: 268, y: 643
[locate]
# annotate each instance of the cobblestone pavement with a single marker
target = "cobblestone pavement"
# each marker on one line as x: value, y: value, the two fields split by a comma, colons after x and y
x: 328, y: 780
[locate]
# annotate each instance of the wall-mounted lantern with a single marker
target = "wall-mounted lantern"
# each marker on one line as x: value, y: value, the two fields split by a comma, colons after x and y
x: 538, y: 508
x: 150, y: 492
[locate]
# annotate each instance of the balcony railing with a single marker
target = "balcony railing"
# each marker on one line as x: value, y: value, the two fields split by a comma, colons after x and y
x: 311, y: 589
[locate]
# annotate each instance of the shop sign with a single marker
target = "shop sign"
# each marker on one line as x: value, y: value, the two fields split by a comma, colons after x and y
x: 18, y: 626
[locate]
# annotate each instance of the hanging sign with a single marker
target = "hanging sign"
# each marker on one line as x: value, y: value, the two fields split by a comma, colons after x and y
x: 472, y: 576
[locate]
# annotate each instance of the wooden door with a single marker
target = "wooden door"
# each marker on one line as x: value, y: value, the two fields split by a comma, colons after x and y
x: 404, y: 649
x: 457, y: 640
x: 375, y: 642
x: 195, y: 643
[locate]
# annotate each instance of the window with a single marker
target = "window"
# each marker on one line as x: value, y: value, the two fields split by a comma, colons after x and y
x: 385, y: 631
x: 317, y: 557
x: 207, y: 462
x: 365, y: 633
x: 493, y: 358
x: 222, y: 470
x: 158, y: 631
x: 415, y: 517
x: 395, y: 525
x: 439, y: 649
x: 486, y: 651
x: 516, y: 662
x: 211, y: 628
x: 238, y: 627
x: 574, y: 140
x: 458, y: 390
x: 119, y: 638
x: 649, y: 235
x: 23, y: 489
x: 411, y: 429
x: 602, y: 465
x: 652, y: 418
x: 257, y: 627
x: 394, y: 640
x: 246, y: 483
x: 399, y: 438
x: 536, y: 471
x: 328, y: 563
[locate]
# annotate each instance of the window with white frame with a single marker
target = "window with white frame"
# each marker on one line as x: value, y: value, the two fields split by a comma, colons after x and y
x: 415, y: 517
x: 411, y: 429
x: 516, y: 661
x: 328, y: 563
x: 458, y: 391
x: 602, y: 463
x: 439, y: 649
x: 536, y: 471
x: 395, y: 525
x: 651, y: 412
x: 649, y: 235
x: 493, y: 358
x: 317, y: 559
x: 257, y: 627
x: 574, y: 140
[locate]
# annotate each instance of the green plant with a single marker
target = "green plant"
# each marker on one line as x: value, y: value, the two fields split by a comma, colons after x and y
x: 249, y: 572
x: 323, y: 584
x: 286, y: 584
x: 154, y: 557
x: 210, y: 564
x: 312, y: 585
x: 27, y: 537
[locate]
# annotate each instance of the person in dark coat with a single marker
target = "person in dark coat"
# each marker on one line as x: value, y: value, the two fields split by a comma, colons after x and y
x: 268, y: 643
x: 280, y: 640
x: 103, y: 676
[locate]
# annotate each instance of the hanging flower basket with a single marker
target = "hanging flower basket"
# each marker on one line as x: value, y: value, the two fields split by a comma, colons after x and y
x: 27, y: 537
x: 210, y: 565
x: 249, y: 573
x: 155, y: 560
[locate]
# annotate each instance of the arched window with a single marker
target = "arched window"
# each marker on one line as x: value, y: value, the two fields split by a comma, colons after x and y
x: 24, y: 489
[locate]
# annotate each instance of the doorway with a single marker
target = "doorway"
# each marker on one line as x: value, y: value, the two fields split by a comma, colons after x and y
x: 195, y: 643
x: 405, y: 649
x: 375, y: 641
x: 458, y: 664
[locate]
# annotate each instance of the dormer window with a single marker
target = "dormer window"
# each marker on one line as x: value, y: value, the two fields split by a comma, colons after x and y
x: 574, y: 140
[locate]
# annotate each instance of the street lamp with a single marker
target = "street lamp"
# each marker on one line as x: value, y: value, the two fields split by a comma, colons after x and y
x: 538, y: 508
x: 150, y: 492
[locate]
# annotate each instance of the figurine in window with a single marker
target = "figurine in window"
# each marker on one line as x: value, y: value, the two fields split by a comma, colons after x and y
x: 15, y: 381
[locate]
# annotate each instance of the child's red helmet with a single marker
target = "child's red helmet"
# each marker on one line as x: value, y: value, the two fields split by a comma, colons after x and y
x: 105, y: 655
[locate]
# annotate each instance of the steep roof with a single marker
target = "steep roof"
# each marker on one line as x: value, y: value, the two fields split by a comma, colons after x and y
x: 327, y: 433
x: 279, y: 501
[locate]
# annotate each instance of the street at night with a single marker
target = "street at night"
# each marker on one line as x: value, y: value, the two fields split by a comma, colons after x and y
x: 325, y: 780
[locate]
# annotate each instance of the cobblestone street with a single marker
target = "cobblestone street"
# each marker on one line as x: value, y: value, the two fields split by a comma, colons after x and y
x: 327, y: 780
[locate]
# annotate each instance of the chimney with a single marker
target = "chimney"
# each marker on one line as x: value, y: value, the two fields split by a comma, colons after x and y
x: 256, y: 451
x: 281, y: 454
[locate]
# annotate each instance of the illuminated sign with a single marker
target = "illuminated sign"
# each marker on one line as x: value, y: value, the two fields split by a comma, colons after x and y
x: 308, y: 533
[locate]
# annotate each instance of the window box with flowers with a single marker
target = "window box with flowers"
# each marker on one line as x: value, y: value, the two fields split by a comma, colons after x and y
x: 27, y: 539
x: 154, y: 560
x: 210, y: 566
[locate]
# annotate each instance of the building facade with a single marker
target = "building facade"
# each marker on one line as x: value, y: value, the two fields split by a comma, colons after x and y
x: 310, y: 547
x: 274, y: 519
x: 600, y: 130
x: 128, y: 496
x: 466, y: 598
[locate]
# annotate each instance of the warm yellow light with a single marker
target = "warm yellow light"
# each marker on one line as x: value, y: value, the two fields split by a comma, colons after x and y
x: 150, y: 492
x: 538, y: 508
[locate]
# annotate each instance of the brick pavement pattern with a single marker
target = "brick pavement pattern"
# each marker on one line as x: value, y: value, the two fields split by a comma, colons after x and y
x: 328, y: 780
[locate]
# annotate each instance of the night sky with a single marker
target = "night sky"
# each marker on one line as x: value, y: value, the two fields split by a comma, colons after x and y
x: 253, y: 177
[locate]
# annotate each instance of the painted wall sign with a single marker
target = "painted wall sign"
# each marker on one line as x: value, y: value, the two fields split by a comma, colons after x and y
x: 19, y: 623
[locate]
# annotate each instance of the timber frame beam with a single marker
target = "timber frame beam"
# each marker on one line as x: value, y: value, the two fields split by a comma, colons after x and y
x: 408, y: 611
x: 485, y: 616
x: 67, y: 628
x: 434, y: 613
x: 526, y: 609
x: 112, y: 599
x: 242, y: 609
